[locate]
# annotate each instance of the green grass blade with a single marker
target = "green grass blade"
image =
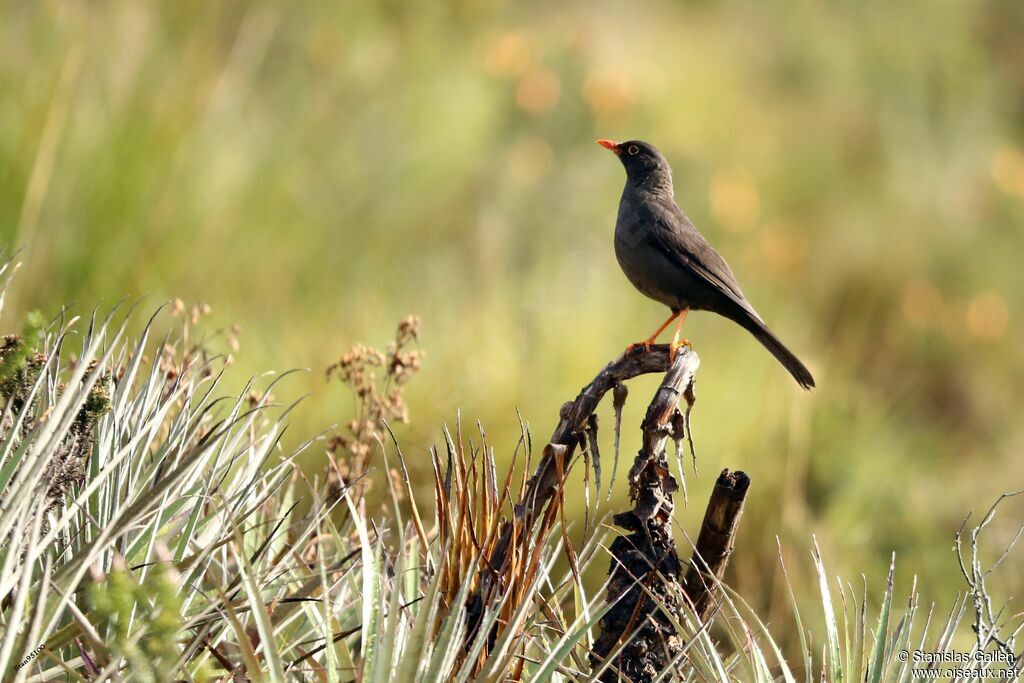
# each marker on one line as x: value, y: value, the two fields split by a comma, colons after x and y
x: 831, y: 629
x: 875, y: 670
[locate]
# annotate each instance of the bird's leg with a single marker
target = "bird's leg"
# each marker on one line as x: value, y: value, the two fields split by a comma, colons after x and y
x: 650, y: 340
x: 677, y: 343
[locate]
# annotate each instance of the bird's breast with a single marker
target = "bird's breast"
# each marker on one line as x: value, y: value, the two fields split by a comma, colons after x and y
x: 648, y: 267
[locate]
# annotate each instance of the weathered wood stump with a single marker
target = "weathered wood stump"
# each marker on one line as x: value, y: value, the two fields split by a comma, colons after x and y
x: 637, y: 634
x: 716, y: 539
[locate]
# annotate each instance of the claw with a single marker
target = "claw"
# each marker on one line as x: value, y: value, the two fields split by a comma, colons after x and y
x: 679, y: 317
x: 674, y: 347
x: 633, y: 347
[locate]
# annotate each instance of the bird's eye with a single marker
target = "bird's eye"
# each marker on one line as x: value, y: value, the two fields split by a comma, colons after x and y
x: 633, y: 150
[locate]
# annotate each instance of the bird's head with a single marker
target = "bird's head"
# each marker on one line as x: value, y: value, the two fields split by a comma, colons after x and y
x: 644, y: 164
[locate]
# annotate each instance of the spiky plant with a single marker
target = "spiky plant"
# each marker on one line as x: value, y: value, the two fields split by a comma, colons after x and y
x: 120, y: 470
x: 153, y: 530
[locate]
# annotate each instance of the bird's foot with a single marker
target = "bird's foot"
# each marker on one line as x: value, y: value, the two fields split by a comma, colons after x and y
x: 674, y: 347
x: 633, y: 347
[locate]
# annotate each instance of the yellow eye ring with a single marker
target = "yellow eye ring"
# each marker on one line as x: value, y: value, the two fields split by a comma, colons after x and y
x: 633, y: 150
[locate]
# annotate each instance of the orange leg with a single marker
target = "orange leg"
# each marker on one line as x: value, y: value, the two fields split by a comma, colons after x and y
x: 650, y: 340
x: 677, y: 343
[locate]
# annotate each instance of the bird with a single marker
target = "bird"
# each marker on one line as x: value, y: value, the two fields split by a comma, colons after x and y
x: 664, y: 256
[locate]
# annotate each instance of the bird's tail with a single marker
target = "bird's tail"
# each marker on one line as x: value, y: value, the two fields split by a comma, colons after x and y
x: 756, y: 327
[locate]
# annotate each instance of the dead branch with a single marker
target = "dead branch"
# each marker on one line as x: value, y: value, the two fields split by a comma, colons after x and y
x: 990, y: 629
x: 512, y: 549
x: 646, y: 574
x: 572, y: 425
x: 645, y: 569
x: 715, y: 542
x: 645, y: 585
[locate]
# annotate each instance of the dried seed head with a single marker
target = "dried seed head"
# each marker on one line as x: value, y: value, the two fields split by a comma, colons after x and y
x: 379, y: 394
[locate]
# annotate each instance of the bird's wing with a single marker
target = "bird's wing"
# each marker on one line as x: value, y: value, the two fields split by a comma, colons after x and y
x: 679, y: 240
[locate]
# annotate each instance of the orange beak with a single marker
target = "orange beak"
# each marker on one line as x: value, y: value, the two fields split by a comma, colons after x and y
x: 610, y: 144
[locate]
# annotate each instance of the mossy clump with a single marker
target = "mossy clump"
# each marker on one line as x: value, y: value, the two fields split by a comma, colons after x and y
x: 20, y: 361
x: 23, y: 358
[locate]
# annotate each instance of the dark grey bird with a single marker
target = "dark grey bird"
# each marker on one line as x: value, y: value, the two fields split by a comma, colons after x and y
x: 668, y: 260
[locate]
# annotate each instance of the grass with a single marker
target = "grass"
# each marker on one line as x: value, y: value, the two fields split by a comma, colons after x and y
x: 315, y: 176
x: 151, y: 529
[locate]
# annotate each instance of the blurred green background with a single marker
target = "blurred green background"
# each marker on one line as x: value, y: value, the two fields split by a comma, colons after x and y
x: 316, y: 171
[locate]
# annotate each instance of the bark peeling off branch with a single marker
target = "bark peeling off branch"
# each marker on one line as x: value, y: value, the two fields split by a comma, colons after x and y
x: 645, y: 569
x: 646, y: 587
x: 646, y: 583
x: 571, y: 432
x: 571, y: 427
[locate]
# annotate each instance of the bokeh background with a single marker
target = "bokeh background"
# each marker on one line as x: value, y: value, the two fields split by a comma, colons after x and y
x: 316, y: 171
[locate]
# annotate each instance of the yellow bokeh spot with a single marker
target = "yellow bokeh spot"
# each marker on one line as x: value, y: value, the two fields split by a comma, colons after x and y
x: 1007, y: 167
x: 607, y: 92
x: 508, y: 55
x: 987, y: 317
x: 538, y: 91
x: 735, y: 202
